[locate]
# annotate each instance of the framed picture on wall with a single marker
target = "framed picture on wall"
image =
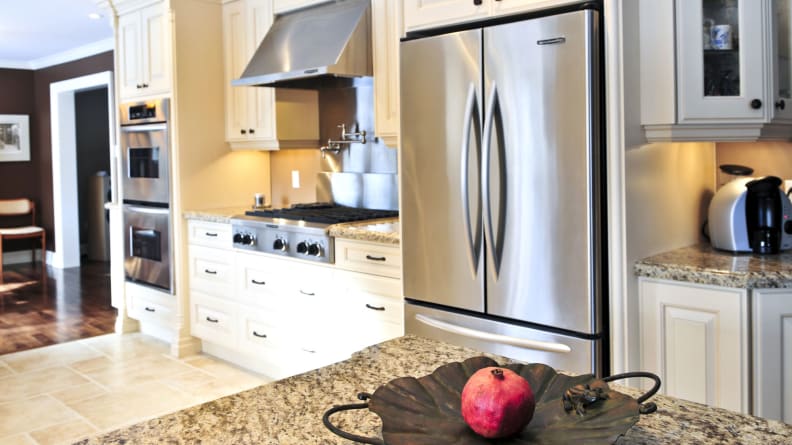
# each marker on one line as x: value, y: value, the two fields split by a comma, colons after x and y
x: 14, y: 137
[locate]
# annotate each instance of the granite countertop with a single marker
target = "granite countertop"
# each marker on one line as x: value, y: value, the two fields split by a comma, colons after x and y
x: 221, y: 215
x: 704, y: 265
x: 290, y: 411
x: 384, y: 230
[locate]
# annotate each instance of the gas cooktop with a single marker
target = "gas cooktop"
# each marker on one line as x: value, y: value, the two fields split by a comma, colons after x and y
x: 323, y: 213
x: 298, y: 231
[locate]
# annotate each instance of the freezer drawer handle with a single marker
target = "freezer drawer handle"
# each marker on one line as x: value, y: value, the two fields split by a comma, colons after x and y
x: 375, y: 258
x: 505, y: 339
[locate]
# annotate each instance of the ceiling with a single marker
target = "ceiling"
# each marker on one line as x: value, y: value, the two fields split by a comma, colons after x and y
x: 39, y: 33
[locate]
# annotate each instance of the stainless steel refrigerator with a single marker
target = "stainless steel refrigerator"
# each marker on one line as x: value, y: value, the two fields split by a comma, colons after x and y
x: 502, y: 189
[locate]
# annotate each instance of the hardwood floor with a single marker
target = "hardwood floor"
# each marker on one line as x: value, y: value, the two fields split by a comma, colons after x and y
x: 67, y: 304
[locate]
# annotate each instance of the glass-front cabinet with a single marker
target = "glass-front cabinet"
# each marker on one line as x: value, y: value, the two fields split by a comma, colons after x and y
x: 718, y: 70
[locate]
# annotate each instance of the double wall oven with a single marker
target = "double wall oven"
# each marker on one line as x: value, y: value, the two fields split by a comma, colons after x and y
x: 145, y: 146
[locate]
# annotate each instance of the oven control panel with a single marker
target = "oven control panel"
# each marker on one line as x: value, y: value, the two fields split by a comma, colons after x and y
x: 284, y: 240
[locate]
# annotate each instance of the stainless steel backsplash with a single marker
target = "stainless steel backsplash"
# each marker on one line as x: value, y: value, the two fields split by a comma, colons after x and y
x: 360, y: 175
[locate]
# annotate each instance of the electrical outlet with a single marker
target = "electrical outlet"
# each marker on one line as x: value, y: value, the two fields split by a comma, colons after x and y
x: 295, y: 179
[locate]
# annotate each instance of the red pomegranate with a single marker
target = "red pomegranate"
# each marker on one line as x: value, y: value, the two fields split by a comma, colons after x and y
x: 497, y: 402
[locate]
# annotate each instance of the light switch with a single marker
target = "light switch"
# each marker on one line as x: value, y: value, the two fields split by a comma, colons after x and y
x: 295, y: 179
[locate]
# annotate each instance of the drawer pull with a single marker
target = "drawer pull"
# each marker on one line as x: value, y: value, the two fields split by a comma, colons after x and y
x: 310, y: 351
x: 375, y: 308
x: 375, y: 258
x: 210, y: 272
x: 211, y: 234
x: 260, y: 283
x: 310, y: 294
x: 150, y: 309
x: 256, y: 334
x: 211, y: 320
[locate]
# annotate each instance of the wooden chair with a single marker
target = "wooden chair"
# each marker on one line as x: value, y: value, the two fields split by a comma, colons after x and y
x: 16, y: 207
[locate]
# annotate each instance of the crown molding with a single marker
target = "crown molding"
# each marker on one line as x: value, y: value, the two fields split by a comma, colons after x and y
x: 61, y: 57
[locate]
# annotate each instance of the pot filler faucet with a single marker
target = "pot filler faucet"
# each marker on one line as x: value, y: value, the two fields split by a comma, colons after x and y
x: 358, y: 136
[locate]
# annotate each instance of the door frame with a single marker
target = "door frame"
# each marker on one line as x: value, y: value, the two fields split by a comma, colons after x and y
x: 64, y: 161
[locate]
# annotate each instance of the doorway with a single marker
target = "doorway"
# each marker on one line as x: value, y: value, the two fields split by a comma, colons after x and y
x: 64, y: 161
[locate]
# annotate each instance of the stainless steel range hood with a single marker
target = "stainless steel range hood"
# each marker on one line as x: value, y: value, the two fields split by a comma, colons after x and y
x: 323, y: 46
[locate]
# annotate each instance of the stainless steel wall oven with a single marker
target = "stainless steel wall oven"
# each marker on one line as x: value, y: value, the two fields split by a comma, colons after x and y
x: 145, y: 148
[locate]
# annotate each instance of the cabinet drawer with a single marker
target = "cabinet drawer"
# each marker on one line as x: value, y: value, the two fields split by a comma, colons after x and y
x: 373, y: 258
x: 213, y: 319
x: 148, y: 305
x: 210, y: 234
x: 211, y: 270
x: 262, y: 331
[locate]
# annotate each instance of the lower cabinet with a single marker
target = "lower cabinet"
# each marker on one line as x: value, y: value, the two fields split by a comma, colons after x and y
x: 282, y: 317
x: 149, y: 305
x: 772, y: 354
x: 696, y: 338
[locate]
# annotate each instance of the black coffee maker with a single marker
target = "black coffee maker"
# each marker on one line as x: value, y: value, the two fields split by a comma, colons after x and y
x: 767, y: 210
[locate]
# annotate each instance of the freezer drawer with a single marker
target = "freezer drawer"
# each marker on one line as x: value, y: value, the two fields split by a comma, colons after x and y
x: 494, y: 337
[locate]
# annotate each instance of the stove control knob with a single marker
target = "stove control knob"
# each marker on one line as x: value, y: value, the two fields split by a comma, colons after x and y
x: 248, y: 239
x: 237, y: 238
x: 315, y: 249
x: 279, y: 244
x: 302, y: 247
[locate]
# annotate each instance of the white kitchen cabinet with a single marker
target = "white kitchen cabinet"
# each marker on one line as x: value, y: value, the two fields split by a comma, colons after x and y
x: 368, y: 257
x: 211, y: 270
x: 386, y: 31
x: 144, y: 52
x: 772, y: 349
x: 261, y: 118
x: 715, y: 69
x: 696, y: 339
x: 422, y: 14
x: 149, y: 305
x: 376, y: 305
x: 283, y: 6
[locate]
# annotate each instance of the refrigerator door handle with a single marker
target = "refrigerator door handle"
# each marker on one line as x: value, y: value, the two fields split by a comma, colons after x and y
x: 486, y: 149
x: 470, y: 118
x: 498, y: 338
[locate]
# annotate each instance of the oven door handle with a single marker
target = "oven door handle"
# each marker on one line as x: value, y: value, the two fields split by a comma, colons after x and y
x: 143, y: 127
x: 149, y: 210
x: 498, y: 338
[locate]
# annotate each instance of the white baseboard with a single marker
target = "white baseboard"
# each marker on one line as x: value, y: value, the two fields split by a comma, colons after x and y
x: 23, y: 256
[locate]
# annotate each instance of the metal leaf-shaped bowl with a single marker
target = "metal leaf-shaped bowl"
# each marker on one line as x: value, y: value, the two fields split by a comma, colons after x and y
x: 426, y: 411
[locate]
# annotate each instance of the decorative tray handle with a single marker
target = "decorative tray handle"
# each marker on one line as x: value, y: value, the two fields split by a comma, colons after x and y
x: 645, y: 408
x: 349, y: 407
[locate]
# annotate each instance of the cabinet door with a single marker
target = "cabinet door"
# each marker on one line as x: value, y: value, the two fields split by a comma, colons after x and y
x: 696, y: 339
x: 236, y: 56
x: 261, y: 100
x: 772, y: 345
x: 155, y: 54
x: 782, y: 60
x: 386, y: 31
x: 721, y: 65
x: 419, y: 14
x: 129, y: 69
x: 503, y: 7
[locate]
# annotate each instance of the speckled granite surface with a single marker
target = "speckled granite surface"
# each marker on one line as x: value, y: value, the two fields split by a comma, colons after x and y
x: 219, y: 215
x: 384, y: 230
x: 704, y: 265
x: 289, y: 412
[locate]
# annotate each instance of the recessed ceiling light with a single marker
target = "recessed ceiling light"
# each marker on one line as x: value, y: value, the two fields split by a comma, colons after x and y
x: 95, y: 16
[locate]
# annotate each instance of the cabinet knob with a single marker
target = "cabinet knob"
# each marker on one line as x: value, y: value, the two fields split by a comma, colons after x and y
x: 145, y: 85
x: 756, y: 104
x: 477, y: 2
x: 251, y: 131
x: 138, y: 86
x: 243, y: 131
x: 780, y: 104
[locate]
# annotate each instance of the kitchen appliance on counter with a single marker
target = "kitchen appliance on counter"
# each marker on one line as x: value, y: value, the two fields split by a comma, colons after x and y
x: 751, y: 215
x: 299, y: 231
x: 145, y: 154
x: 502, y: 216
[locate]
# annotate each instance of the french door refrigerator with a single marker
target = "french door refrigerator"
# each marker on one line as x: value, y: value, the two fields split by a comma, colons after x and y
x: 502, y: 202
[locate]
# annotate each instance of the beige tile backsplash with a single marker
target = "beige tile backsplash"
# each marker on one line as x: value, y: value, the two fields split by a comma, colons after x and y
x: 282, y: 163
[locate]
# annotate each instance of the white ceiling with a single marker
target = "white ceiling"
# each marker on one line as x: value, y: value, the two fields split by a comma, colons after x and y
x: 39, y: 33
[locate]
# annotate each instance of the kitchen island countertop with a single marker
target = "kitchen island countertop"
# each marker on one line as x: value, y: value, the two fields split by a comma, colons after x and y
x: 701, y: 264
x: 290, y: 411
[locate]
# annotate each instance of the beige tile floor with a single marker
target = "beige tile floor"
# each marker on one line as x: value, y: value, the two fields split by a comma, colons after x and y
x: 61, y: 393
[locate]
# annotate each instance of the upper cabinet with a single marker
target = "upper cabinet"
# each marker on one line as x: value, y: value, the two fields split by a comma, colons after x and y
x: 261, y: 118
x: 421, y: 14
x: 715, y: 69
x: 144, y: 52
x: 386, y: 31
x: 282, y: 6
